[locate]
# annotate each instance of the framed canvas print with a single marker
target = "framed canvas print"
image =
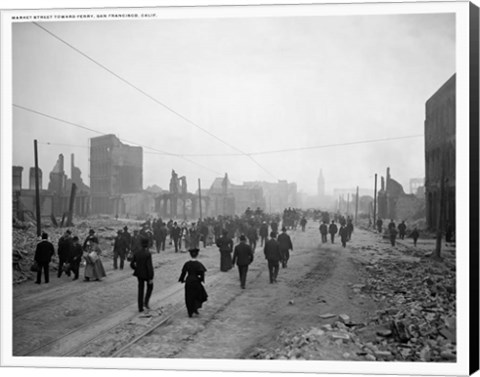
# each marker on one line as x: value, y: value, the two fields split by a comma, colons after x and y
x: 240, y: 187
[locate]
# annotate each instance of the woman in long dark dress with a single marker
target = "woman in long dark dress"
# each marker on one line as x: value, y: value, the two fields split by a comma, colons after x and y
x: 193, y: 275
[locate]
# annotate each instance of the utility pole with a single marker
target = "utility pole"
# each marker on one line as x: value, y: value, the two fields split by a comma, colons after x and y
x: 37, y: 190
x: 441, y: 212
x: 72, y: 202
x: 356, y: 207
x: 200, y: 198
x: 375, y: 203
x: 348, y: 203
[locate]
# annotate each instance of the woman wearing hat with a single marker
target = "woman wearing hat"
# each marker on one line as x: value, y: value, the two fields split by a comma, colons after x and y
x: 94, y: 268
x: 193, y: 275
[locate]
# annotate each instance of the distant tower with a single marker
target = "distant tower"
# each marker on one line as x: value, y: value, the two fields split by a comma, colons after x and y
x: 320, y: 185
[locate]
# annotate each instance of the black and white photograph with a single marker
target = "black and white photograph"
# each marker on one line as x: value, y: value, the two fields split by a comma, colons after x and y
x: 240, y: 187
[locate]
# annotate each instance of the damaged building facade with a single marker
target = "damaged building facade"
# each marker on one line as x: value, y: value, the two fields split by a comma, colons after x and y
x: 223, y: 198
x: 440, y: 150
x: 394, y: 203
x: 55, y: 199
x: 116, y: 178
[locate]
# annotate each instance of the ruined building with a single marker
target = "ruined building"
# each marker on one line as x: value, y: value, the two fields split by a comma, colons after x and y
x: 394, y: 203
x: 55, y: 200
x: 115, y: 169
x: 440, y: 154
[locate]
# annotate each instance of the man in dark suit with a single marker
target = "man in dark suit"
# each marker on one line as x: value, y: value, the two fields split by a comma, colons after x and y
x: 175, y: 234
x: 77, y: 253
x: 285, y: 243
x: 243, y: 256
x: 43, y: 256
x: 143, y: 270
x: 273, y: 256
x: 65, y: 246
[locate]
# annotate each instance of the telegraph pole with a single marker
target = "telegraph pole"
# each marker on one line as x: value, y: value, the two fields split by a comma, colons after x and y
x: 356, y: 207
x: 37, y: 190
x: 441, y: 213
x: 375, y: 203
x: 200, y: 198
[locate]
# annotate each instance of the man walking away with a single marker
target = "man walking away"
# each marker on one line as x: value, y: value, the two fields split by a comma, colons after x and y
x: 273, y: 256
x: 242, y: 256
x: 332, y: 229
x: 393, y: 234
x: 379, y: 225
x: 64, y: 252
x: 402, y: 229
x: 143, y: 270
x: 175, y: 234
x: 324, y: 231
x: 303, y: 223
x: 414, y: 235
x: 343, y: 233
x: 119, y: 250
x: 77, y: 253
x: 263, y: 233
x: 43, y: 255
x: 285, y: 243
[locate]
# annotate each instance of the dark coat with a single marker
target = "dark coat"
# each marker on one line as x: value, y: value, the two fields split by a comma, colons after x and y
x: 264, y: 230
x: 332, y: 229
x: 272, y: 250
x: 65, y: 246
x: 225, y: 243
x: 175, y: 232
x: 120, y: 244
x: 142, y: 264
x: 195, y: 294
x: 343, y: 233
x: 323, y: 228
x: 243, y: 254
x: 44, y: 252
x: 285, y: 242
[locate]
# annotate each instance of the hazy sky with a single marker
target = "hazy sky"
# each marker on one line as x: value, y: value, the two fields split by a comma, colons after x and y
x: 258, y: 84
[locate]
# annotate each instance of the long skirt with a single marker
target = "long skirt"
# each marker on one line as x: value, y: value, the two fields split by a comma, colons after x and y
x: 195, y: 296
x: 225, y: 260
x: 95, y: 270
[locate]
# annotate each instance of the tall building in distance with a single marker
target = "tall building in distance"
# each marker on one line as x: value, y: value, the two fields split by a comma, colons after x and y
x: 115, y: 169
x: 440, y: 154
x: 320, y: 185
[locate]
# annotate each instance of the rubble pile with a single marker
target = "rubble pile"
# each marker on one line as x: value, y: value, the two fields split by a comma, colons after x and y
x: 328, y: 342
x: 417, y: 321
x: 24, y: 241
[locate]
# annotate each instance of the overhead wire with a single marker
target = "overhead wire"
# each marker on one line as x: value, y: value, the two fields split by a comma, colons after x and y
x: 287, y: 150
x: 103, y: 134
x: 154, y: 99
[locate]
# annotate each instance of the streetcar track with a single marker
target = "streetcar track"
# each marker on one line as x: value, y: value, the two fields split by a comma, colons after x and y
x: 75, y: 349
x: 164, y: 322
x: 58, y: 343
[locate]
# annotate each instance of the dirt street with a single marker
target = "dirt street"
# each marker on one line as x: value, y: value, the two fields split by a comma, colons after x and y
x: 320, y: 309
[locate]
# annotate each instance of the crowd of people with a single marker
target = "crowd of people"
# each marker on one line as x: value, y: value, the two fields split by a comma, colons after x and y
x: 236, y: 238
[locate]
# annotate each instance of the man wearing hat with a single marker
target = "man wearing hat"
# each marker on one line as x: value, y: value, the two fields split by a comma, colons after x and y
x: 143, y: 270
x: 119, y: 250
x: 273, y: 256
x: 65, y: 246
x: 128, y: 238
x: 285, y: 243
x: 242, y: 256
x: 43, y: 255
x: 263, y: 233
x: 175, y: 234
